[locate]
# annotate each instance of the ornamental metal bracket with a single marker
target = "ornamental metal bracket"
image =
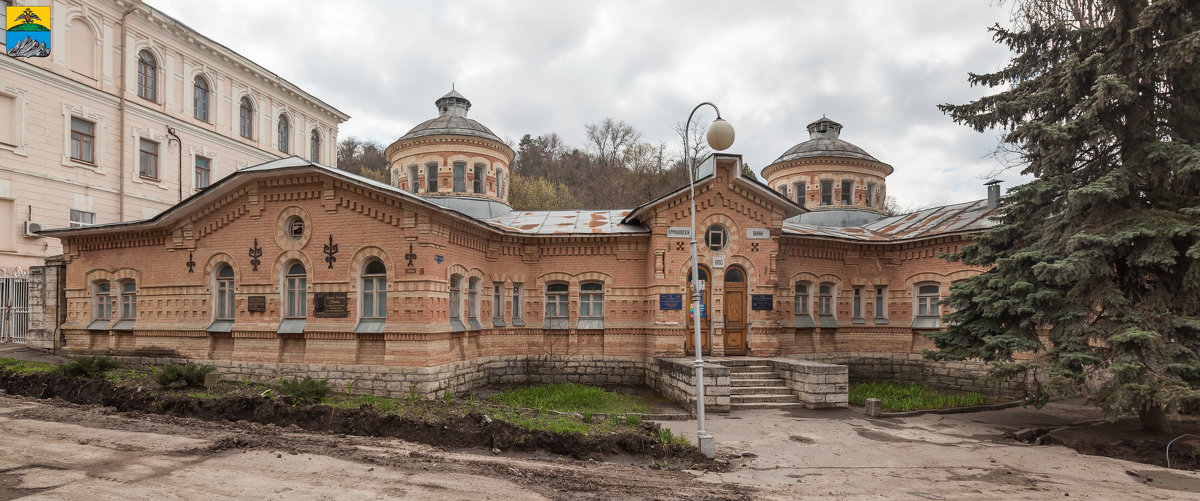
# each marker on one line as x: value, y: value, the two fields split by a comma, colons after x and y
x: 330, y: 249
x: 191, y: 263
x: 255, y: 253
x: 411, y: 256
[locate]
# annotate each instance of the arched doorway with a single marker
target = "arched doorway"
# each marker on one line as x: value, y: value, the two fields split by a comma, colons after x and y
x: 706, y: 320
x: 735, y: 310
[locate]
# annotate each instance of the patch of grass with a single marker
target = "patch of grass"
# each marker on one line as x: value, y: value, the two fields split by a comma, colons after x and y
x: 901, y: 397
x: 633, y: 419
x: 25, y: 366
x: 304, y: 390
x: 569, y: 397
x: 190, y: 375
x: 89, y: 367
x: 203, y: 394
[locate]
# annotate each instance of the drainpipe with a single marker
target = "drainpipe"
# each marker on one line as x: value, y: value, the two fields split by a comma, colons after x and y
x: 121, y: 111
x: 179, y: 145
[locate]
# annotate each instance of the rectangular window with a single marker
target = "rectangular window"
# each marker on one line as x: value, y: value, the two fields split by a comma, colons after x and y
x: 517, y: 304
x: 782, y: 189
x: 801, y: 193
x: 460, y: 177
x: 498, y: 301
x: 557, y: 304
x: 473, y: 301
x: 870, y: 194
x: 374, y: 296
x: 591, y: 301
x: 83, y: 140
x: 82, y: 218
x: 847, y: 192
x: 431, y: 178
x: 826, y: 192
x: 880, y: 303
x: 128, y: 301
x: 825, y: 301
x: 202, y: 172
x: 927, y: 301
x: 103, y: 301
x: 412, y: 179
x: 225, y: 296
x: 858, y: 306
x: 455, y: 297
x: 148, y: 159
x: 801, y: 306
x: 478, y: 179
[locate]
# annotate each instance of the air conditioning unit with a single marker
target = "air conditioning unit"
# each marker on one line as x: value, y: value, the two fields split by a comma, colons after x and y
x: 32, y: 228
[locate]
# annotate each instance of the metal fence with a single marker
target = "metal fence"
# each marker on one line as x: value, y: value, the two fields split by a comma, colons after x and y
x: 14, y: 305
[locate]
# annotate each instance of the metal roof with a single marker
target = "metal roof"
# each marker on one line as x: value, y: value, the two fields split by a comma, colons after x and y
x: 453, y: 125
x: 824, y: 142
x: 928, y: 223
x: 567, y: 222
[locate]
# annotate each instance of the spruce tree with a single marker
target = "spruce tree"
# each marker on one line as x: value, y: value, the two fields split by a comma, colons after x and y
x: 1096, y: 262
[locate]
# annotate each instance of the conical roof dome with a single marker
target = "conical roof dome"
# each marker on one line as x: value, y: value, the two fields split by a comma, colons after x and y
x: 452, y: 119
x: 823, y: 142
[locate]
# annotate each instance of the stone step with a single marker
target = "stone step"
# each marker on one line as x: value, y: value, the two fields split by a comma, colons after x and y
x: 755, y: 382
x: 762, y: 399
x: 754, y: 375
x: 760, y: 390
x: 750, y: 368
x: 762, y: 405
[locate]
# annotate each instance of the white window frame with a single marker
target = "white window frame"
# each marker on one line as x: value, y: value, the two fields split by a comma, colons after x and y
x: 826, y: 306
x: 295, y: 292
x: 927, y: 304
x: 373, y: 292
x: 128, y: 299
x: 81, y: 218
x: 558, y: 305
x: 102, y: 302
x: 224, y: 297
x: 803, y: 298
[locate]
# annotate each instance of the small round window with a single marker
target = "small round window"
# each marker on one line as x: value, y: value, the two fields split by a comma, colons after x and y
x: 716, y: 237
x: 294, y: 227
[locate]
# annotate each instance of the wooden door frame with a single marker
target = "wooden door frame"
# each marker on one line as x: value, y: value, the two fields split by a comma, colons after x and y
x: 744, y: 286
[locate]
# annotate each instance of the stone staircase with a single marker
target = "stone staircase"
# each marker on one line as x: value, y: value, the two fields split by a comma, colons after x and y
x: 756, y: 386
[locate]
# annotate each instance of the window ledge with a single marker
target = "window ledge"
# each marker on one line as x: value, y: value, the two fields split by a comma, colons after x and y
x: 291, y: 326
x: 150, y: 178
x: 98, y: 325
x: 591, y: 324
x: 221, y: 326
x: 556, y: 323
x: 829, y: 322
x: 927, y: 323
x: 516, y: 322
x: 473, y: 324
x: 498, y: 322
x: 881, y: 321
x: 858, y: 320
x: 456, y: 325
x: 370, y: 326
x: 805, y: 321
x: 123, y: 325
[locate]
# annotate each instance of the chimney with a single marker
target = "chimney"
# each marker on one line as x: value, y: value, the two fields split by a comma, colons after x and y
x: 993, y: 188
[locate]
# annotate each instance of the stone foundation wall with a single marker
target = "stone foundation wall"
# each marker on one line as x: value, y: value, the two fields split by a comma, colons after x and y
x: 47, y: 306
x: 429, y: 382
x: 819, y: 385
x: 676, y: 379
x: 965, y: 376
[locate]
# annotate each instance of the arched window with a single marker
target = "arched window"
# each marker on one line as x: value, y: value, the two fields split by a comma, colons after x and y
x: 315, y: 153
x: 478, y: 178
x: 147, y: 71
x: 81, y: 47
x: 928, y: 296
x: 431, y: 177
x: 246, y: 118
x: 224, y: 293
x: 735, y: 275
x: 283, y: 134
x: 456, y: 324
x: 716, y: 237
x: 374, y: 290
x: 557, y: 304
x: 801, y: 299
x: 825, y: 300
x: 200, y: 98
x: 460, y: 177
x: 591, y: 305
x: 128, y: 309
x: 295, y: 296
x: 103, y: 298
x: 473, y: 304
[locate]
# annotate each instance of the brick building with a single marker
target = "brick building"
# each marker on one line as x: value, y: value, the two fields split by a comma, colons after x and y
x: 292, y: 267
x: 131, y: 113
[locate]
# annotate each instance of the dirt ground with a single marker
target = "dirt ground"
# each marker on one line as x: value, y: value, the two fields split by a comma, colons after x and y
x: 52, y: 449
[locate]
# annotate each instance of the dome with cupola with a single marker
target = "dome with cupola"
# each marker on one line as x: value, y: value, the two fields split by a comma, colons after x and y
x: 454, y: 161
x: 837, y: 181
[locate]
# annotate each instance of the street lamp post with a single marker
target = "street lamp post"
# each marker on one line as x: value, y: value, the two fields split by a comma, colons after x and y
x: 720, y: 137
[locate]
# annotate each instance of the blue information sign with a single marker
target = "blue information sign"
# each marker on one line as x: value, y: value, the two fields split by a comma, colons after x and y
x: 670, y: 301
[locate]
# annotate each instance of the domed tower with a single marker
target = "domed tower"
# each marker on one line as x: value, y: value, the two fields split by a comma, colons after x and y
x: 454, y: 161
x: 840, y: 183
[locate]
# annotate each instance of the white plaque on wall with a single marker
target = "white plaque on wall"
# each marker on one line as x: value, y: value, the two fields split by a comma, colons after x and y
x: 679, y: 232
x: 758, y: 233
x: 718, y: 262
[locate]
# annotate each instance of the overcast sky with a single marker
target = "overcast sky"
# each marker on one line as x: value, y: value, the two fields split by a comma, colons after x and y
x: 880, y: 68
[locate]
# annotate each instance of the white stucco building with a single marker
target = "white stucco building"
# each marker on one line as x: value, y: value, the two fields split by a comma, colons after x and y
x: 132, y: 112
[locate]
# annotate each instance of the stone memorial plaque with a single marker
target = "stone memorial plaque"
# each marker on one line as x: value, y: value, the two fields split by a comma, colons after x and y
x: 256, y: 304
x: 762, y: 302
x: 330, y: 305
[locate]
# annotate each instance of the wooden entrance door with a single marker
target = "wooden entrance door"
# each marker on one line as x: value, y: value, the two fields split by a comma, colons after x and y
x: 735, y: 311
x: 705, y: 323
